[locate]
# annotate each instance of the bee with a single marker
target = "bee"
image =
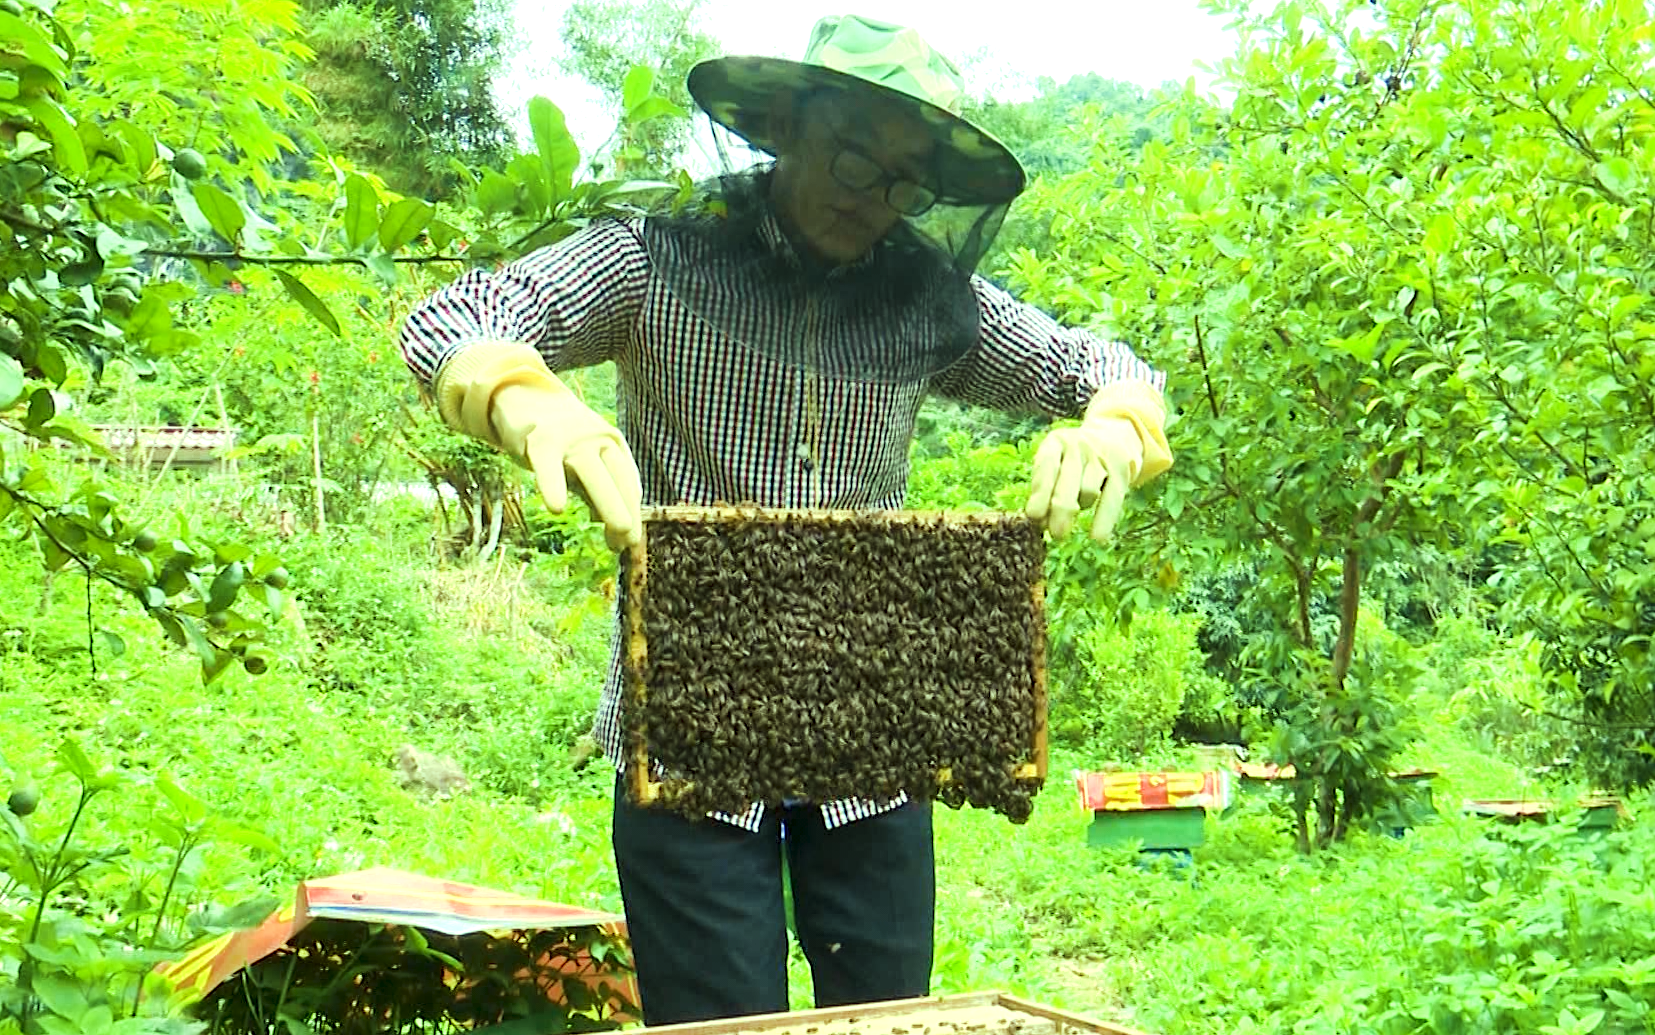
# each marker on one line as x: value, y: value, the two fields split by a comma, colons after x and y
x: 838, y: 658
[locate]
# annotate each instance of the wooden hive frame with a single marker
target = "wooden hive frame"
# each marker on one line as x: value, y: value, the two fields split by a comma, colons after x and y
x: 647, y: 790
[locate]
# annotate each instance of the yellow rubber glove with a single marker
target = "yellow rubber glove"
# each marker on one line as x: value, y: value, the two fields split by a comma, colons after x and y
x: 1118, y: 445
x: 502, y: 393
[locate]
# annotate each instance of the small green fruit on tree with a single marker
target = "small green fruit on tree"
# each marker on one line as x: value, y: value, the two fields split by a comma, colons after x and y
x: 24, y: 800
x: 189, y: 163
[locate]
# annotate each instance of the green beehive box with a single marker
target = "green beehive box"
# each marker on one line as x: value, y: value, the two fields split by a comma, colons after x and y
x: 1155, y: 829
x: 1160, y: 811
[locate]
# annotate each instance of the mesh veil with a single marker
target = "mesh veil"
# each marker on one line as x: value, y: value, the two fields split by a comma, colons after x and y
x: 904, y: 313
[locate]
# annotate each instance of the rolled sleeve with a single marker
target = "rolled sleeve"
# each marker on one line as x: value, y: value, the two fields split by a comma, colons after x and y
x: 576, y: 302
x: 1027, y: 361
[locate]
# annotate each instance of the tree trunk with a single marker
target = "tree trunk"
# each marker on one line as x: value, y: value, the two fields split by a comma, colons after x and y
x: 496, y: 518
x: 1301, y: 814
x: 436, y: 484
x: 1327, y: 810
x: 1350, y: 601
x: 474, y: 519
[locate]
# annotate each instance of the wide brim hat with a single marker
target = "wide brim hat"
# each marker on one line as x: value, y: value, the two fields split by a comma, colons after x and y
x: 879, y: 60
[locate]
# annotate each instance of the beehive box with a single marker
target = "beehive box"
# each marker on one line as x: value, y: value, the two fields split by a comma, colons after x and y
x: 975, y: 1013
x: 1162, y: 811
x: 820, y: 655
x: 1597, y: 812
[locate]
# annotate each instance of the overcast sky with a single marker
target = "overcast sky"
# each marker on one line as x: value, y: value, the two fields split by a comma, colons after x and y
x: 1142, y: 41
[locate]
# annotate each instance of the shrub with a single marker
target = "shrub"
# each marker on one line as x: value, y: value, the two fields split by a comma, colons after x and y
x: 1490, y: 688
x: 1132, y: 684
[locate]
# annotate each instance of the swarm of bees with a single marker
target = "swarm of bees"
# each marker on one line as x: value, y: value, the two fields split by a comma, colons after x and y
x: 780, y: 656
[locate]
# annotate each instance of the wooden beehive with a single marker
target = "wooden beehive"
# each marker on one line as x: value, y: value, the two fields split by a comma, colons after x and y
x: 819, y: 655
x: 973, y: 1013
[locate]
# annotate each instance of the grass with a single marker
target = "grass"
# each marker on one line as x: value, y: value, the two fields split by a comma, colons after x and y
x: 500, y: 668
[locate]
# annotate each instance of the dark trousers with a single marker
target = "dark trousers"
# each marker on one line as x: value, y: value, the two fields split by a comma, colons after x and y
x: 704, y: 908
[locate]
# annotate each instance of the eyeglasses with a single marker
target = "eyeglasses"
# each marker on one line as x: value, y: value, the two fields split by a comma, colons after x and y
x: 858, y: 171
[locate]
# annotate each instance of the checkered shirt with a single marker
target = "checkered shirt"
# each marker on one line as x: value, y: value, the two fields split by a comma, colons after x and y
x: 711, y: 422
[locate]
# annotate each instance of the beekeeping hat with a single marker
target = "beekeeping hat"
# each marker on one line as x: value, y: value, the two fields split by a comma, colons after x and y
x: 907, y: 310
x: 863, y: 58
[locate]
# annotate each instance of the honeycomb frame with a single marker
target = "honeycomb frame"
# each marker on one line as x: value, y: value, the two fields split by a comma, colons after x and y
x: 1024, y: 763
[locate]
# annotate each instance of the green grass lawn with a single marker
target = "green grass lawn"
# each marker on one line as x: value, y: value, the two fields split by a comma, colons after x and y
x: 1446, y: 926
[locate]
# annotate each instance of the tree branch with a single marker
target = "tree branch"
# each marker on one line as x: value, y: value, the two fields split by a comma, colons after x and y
x: 295, y: 260
x: 1206, y: 368
x: 24, y: 223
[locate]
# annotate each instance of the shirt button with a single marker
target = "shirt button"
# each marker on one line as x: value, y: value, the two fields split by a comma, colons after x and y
x: 801, y: 453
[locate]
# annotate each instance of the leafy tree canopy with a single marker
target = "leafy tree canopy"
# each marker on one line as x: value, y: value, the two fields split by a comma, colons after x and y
x: 405, y: 86
x: 1042, y: 130
x: 606, y: 40
x: 1402, y: 285
x: 136, y: 174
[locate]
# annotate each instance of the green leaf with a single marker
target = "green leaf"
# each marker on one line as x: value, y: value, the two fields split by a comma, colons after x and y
x: 534, y: 193
x: 1625, y: 306
x: 1618, y: 176
x: 1587, y: 106
x: 1363, y: 346
x: 80, y: 274
x: 190, y: 213
x: 113, y: 645
x: 11, y: 382
x: 42, y: 408
x: 361, y: 211
x: 197, y: 640
x: 383, y: 267
x: 13, y: 823
x: 222, y: 212
x: 308, y: 300
x: 192, y: 809
x: 496, y: 195
x: 225, y: 586
x: 635, y: 88
x: 443, y: 234
x: 71, y: 154
x: 248, y: 837
x: 73, y: 758
x: 654, y: 108
x: 224, y: 553
x: 96, y: 1021
x: 242, y: 915
x: 61, y: 995
x: 1439, y: 239
x: 212, y: 668
x: 34, y: 45
x: 111, y: 244
x: 554, y: 143
x: 403, y: 222
x: 169, y: 625
x: 28, y: 145
x: 140, y: 147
